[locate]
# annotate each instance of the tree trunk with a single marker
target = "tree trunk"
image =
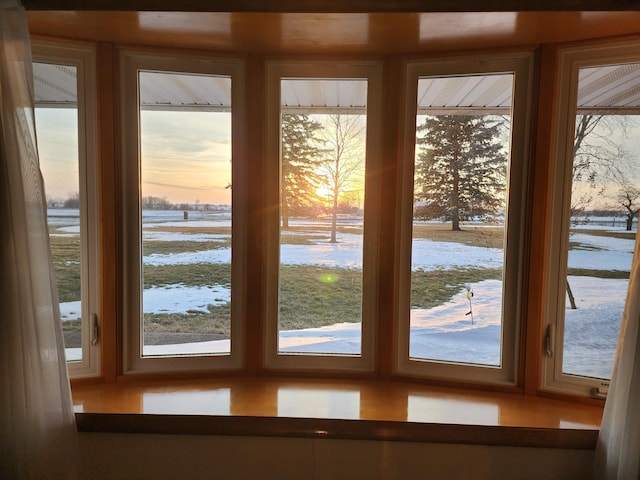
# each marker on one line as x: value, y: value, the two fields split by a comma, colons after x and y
x: 572, y: 300
x: 455, y: 207
x: 629, y: 222
x: 334, y: 218
x: 455, y: 221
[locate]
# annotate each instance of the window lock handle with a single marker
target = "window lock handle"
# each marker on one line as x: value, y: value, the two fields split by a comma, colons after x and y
x: 95, y: 329
x: 548, y: 341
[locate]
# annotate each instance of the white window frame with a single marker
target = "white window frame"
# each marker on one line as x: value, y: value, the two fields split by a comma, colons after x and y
x: 521, y: 65
x: 571, y: 60
x: 131, y: 62
x: 82, y: 57
x: 322, y: 69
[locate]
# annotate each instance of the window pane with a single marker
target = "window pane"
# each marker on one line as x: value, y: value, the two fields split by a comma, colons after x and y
x: 185, y: 144
x: 57, y: 124
x: 460, y: 199
x: 605, y: 200
x: 321, y: 215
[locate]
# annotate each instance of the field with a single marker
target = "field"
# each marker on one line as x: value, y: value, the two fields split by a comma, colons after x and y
x: 187, y: 286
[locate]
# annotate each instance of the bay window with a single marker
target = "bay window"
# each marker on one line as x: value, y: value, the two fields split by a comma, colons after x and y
x: 462, y: 224
x: 181, y: 130
x: 323, y: 147
x: 458, y: 223
x: 594, y: 220
x: 65, y: 99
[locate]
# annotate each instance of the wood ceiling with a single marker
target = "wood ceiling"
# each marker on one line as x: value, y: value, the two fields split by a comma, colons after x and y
x: 357, y: 33
x: 333, y: 26
x: 333, y: 6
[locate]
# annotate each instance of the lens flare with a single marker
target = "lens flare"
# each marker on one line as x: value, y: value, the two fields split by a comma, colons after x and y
x: 328, y: 277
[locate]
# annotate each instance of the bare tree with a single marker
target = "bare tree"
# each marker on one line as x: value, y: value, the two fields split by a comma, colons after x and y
x: 599, y: 158
x: 344, y: 137
x: 629, y: 198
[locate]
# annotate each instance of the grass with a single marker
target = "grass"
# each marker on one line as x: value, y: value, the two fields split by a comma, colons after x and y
x: 65, y: 254
x: 313, y: 296
x: 430, y: 289
x: 191, y: 230
x: 487, y: 237
x: 605, y: 233
x: 150, y: 247
x: 192, y: 275
x: 584, y: 272
x: 310, y: 296
x: 217, y: 320
x: 582, y: 246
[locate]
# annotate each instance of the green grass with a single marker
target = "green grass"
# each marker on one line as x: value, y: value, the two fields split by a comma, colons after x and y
x: 582, y: 246
x: 65, y: 253
x: 217, y: 320
x: 191, y: 230
x: 583, y: 272
x: 605, y: 233
x: 309, y: 239
x: 192, y: 275
x: 314, y: 296
x: 487, y: 237
x: 159, y: 247
x: 310, y: 296
x: 430, y: 289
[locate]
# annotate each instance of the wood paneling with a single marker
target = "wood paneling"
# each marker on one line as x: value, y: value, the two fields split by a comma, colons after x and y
x: 316, y: 6
x: 377, y: 33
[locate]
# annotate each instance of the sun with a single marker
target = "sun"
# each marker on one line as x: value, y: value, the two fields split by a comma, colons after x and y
x: 323, y: 192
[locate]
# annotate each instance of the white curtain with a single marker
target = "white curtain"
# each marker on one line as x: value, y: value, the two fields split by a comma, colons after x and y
x: 618, y: 449
x: 38, y: 437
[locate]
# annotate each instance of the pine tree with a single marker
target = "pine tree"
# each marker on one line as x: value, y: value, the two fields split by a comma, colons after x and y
x: 300, y: 159
x: 460, y: 170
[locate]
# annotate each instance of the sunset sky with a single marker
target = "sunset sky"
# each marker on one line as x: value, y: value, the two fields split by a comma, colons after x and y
x: 186, y: 155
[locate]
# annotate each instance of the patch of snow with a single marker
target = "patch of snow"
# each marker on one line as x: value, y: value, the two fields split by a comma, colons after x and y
x: 183, y: 299
x: 70, y: 310
x: 613, y: 244
x: 219, y: 255
x: 163, y: 236
x: 213, y: 347
x: 592, y: 330
x: 347, y: 253
x: 442, y: 333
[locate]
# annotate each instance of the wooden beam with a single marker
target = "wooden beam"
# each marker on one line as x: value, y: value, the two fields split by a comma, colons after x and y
x: 334, y: 6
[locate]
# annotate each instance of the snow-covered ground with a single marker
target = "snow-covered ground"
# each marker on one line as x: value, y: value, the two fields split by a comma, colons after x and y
x: 443, y: 333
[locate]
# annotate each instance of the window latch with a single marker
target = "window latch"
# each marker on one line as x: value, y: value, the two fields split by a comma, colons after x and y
x: 600, y: 391
x: 95, y: 329
x: 548, y: 341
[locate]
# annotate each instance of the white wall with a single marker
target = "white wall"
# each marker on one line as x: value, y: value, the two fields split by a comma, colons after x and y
x: 138, y: 456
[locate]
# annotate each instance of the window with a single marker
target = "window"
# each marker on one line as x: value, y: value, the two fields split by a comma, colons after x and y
x: 322, y: 142
x: 596, y: 200
x: 461, y: 253
x: 181, y: 134
x: 64, y: 85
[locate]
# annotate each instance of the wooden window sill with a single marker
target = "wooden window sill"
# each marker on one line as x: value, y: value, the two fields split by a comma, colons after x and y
x: 369, y: 410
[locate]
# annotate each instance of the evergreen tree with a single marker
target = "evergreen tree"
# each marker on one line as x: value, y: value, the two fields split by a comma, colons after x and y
x: 301, y: 156
x: 460, y: 170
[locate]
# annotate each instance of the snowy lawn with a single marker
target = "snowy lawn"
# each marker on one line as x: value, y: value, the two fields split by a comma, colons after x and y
x: 444, y: 332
